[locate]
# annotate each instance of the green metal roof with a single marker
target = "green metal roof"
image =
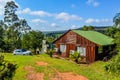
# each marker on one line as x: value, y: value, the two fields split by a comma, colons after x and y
x: 95, y: 37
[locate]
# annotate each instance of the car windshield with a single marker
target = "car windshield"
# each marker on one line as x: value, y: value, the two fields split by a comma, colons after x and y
x: 19, y: 50
x: 23, y: 50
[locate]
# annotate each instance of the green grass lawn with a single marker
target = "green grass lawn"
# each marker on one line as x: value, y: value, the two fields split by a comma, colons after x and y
x: 94, y: 71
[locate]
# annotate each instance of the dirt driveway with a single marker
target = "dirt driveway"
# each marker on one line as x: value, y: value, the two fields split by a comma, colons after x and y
x: 33, y: 75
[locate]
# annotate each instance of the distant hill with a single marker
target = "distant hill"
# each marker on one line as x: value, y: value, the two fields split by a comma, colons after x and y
x: 54, y: 32
x: 96, y: 28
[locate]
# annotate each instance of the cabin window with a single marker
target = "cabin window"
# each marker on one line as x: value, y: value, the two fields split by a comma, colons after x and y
x: 62, y: 48
x: 82, y: 51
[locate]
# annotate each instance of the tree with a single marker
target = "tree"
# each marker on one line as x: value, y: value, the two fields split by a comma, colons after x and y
x: 1, y: 34
x: 14, y: 27
x: 90, y: 27
x: 86, y: 28
x: 24, y: 27
x: 117, y: 40
x: 21, y: 30
x: 25, y: 41
x: 111, y: 31
x: 116, y: 20
x: 114, y: 65
x: 33, y: 40
x: 10, y: 18
x: 1, y: 23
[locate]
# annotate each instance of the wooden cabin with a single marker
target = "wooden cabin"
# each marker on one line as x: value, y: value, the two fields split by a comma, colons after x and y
x: 90, y: 44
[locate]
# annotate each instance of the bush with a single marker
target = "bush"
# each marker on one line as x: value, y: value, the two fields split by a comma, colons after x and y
x: 114, y: 65
x: 7, y: 69
x: 75, y: 57
x: 50, y: 52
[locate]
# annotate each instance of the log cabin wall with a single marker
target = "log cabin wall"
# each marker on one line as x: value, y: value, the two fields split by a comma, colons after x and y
x: 69, y: 39
x: 72, y: 40
x: 91, y: 48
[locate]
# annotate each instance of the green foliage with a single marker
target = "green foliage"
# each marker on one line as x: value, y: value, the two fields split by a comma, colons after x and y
x: 86, y: 28
x: 14, y: 27
x: 50, y: 39
x: 10, y: 17
x: 11, y: 20
x: 25, y: 41
x: 117, y: 40
x: 75, y: 57
x: 7, y: 69
x: 50, y: 52
x: 32, y: 40
x: 111, y: 31
x: 114, y: 65
x: 91, y: 28
x: 116, y: 20
x: 1, y: 36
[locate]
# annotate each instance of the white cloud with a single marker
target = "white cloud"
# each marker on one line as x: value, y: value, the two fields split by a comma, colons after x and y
x: 74, y: 27
x: 3, y: 3
x: 63, y: 16
x: 54, y: 25
x: 40, y: 13
x: 66, y: 17
x: 24, y: 11
x: 91, y: 20
x: 93, y: 3
x: 35, y: 13
x: 38, y: 21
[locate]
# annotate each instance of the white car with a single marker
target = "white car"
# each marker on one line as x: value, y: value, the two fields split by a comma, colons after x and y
x: 21, y: 52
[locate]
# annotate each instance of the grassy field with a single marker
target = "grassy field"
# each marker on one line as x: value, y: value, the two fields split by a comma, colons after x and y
x: 94, y: 71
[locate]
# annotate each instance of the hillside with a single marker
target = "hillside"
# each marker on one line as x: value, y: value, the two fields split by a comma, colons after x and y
x: 59, y: 33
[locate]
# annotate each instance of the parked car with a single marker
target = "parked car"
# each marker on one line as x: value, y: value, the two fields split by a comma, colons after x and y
x: 21, y: 52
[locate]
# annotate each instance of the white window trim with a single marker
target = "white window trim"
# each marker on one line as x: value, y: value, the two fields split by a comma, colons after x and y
x: 81, y: 50
x: 62, y: 48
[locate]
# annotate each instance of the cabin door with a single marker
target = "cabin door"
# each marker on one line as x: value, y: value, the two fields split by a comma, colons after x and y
x: 70, y: 49
x: 63, y: 49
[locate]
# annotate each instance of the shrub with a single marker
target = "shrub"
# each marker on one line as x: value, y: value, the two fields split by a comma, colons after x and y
x: 75, y: 57
x: 114, y: 65
x: 7, y: 69
x: 50, y: 52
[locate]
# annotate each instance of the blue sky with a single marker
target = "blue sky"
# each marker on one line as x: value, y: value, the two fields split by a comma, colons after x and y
x: 51, y: 15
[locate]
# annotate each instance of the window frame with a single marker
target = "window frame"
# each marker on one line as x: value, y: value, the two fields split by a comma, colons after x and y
x: 62, y: 48
x: 81, y: 50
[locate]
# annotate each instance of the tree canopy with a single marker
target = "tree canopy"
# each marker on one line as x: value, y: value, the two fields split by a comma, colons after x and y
x: 114, y: 65
x: 116, y: 20
x: 14, y: 27
x: 33, y: 40
x: 86, y: 28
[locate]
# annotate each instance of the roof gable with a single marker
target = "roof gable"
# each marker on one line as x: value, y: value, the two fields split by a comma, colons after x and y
x: 95, y: 37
